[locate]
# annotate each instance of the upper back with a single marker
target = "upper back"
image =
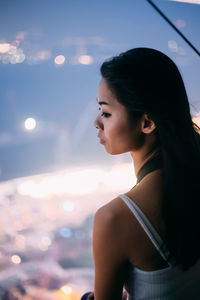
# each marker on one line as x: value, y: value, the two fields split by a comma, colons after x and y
x: 148, y: 197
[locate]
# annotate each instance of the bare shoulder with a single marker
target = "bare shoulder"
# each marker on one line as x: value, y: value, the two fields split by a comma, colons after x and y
x: 109, y: 217
x: 115, y: 224
x: 113, y: 215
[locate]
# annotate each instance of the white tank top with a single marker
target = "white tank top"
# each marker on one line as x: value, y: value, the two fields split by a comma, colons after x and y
x: 170, y: 283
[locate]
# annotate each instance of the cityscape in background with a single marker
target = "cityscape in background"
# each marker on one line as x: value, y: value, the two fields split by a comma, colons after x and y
x: 46, y: 230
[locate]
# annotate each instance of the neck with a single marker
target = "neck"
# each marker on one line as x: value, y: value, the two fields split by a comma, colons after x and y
x: 140, y: 157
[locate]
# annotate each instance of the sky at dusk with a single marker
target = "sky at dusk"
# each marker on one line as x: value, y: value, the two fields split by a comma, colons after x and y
x: 50, y: 55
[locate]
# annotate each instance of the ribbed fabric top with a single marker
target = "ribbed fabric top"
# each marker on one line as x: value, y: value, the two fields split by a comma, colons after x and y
x: 170, y: 283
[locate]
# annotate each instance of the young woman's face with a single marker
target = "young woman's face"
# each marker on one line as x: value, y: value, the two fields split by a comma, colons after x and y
x: 115, y: 131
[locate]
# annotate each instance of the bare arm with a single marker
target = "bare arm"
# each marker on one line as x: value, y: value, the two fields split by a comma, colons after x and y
x: 109, y: 256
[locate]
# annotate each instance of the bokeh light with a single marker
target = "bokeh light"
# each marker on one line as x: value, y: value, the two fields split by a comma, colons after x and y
x: 65, y: 232
x: 173, y: 46
x: 59, y: 60
x: 66, y: 289
x: 180, y: 23
x: 4, y: 47
x: 30, y: 123
x: 16, y: 259
x: 85, y: 59
x: 67, y: 206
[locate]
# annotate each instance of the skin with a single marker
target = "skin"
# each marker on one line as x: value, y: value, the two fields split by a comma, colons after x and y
x: 118, y: 238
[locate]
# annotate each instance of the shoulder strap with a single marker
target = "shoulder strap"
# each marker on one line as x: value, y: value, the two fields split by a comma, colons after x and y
x: 148, y: 228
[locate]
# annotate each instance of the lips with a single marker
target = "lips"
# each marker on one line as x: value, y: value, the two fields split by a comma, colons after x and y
x: 101, y: 140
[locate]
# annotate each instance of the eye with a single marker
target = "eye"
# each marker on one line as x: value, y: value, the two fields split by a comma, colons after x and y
x: 104, y: 114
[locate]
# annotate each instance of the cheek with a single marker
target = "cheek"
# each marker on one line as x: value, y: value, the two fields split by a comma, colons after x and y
x: 127, y: 138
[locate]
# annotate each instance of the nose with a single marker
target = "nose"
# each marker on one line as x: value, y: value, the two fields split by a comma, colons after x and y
x: 97, y: 123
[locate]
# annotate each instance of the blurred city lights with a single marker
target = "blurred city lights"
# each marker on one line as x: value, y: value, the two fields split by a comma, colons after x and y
x: 16, y: 259
x: 68, y: 206
x: 113, y: 179
x: 42, y: 55
x: 85, y: 59
x: 88, y: 181
x: 38, y: 57
x: 20, y: 35
x: 46, y: 240
x: 65, y: 232
x: 66, y: 183
x: 180, y: 23
x: 44, y: 243
x: 66, y: 289
x: 10, y: 53
x: 172, y: 45
x: 4, y: 47
x: 30, y: 123
x: 59, y: 60
x: 20, y: 241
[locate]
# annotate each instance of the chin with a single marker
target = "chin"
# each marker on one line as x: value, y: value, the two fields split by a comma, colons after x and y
x: 114, y: 152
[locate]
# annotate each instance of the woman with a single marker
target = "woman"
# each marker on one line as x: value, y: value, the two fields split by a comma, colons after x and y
x: 147, y: 240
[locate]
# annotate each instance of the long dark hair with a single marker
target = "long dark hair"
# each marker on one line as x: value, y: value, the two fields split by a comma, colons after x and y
x: 147, y: 81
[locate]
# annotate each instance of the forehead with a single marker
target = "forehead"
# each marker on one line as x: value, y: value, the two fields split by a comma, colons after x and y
x: 106, y: 95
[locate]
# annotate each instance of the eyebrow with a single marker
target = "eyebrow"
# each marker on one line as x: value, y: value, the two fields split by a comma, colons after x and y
x: 102, y: 102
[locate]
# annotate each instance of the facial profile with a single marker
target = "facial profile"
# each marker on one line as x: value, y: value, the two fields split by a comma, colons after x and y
x: 115, y: 130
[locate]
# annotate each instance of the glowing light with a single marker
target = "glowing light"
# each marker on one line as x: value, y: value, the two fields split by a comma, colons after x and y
x: 43, y: 55
x: 4, y: 47
x: 180, y: 23
x: 59, y: 60
x: 38, y: 57
x: 16, y: 259
x: 88, y: 181
x: 68, y: 206
x: 11, y: 53
x: 66, y: 289
x: 172, y: 45
x: 16, y: 43
x: 20, y: 58
x: 120, y: 177
x: 85, y: 59
x: 12, y: 50
x: 13, y: 59
x: 30, y: 124
x: 65, y: 232
x: 44, y: 243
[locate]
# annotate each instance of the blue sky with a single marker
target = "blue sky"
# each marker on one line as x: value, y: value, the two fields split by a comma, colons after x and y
x: 62, y: 97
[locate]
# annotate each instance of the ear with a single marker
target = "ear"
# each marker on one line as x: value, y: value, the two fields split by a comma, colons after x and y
x: 148, y: 125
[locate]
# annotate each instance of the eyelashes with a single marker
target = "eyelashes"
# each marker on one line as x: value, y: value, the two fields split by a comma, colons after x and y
x: 104, y: 114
